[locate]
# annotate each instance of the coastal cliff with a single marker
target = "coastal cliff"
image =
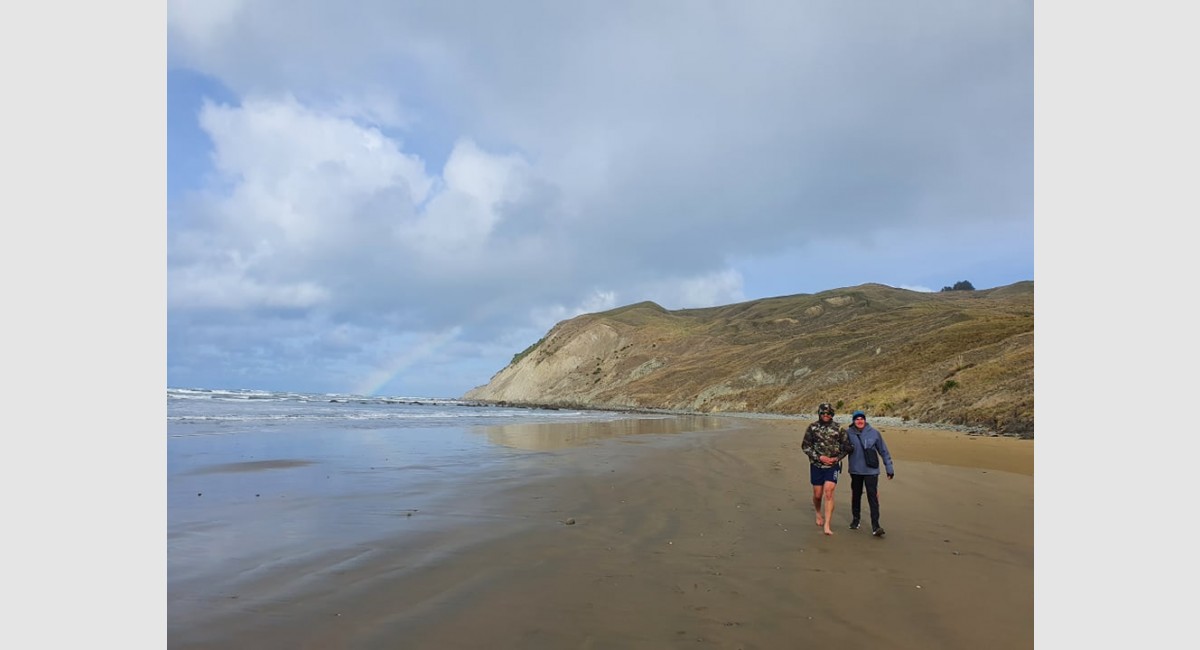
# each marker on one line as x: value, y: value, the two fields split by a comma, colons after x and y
x: 953, y: 357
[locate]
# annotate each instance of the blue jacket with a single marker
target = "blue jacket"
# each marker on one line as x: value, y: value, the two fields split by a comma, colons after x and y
x: 867, y: 438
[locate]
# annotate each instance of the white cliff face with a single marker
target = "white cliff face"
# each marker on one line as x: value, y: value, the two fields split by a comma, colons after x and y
x: 564, y: 373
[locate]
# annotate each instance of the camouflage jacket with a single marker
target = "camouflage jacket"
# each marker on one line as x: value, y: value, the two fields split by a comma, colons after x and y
x: 825, y: 440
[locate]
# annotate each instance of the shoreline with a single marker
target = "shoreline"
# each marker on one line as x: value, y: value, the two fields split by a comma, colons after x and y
x: 883, y: 420
x: 701, y: 538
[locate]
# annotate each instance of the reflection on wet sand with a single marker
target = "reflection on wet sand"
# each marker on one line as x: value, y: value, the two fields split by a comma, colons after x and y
x: 545, y: 436
x: 252, y: 466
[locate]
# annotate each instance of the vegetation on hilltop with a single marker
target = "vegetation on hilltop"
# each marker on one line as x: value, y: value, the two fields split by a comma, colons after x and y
x: 961, y: 357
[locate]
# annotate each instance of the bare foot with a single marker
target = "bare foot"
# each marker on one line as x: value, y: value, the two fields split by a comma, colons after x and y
x: 820, y: 521
x: 827, y: 531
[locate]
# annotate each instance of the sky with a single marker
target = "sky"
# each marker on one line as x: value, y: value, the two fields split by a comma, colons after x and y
x: 394, y: 198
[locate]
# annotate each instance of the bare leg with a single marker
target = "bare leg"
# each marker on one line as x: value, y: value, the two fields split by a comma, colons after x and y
x: 829, y: 505
x: 817, y: 491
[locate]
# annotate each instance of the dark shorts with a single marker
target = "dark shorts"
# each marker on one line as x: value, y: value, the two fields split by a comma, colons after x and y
x: 823, y: 475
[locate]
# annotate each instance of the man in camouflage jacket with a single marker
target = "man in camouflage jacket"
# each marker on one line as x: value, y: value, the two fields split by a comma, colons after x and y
x: 826, y: 444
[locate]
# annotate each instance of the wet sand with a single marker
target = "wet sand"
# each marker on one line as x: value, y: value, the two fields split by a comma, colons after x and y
x: 702, y: 539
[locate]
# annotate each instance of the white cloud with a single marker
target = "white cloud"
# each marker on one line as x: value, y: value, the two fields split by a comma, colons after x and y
x: 544, y: 317
x: 374, y: 106
x: 300, y: 189
x: 457, y: 223
x: 224, y: 289
x: 405, y: 170
x: 719, y: 288
x: 289, y: 149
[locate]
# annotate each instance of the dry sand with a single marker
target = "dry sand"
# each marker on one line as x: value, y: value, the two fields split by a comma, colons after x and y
x: 703, y: 539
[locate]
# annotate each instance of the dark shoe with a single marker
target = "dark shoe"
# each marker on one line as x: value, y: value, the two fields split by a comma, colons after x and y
x: 878, y: 532
x: 854, y: 525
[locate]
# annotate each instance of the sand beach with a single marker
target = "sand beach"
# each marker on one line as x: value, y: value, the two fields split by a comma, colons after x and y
x: 703, y: 538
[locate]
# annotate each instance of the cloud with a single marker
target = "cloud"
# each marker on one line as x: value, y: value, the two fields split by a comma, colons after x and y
x: 402, y: 171
x: 457, y: 224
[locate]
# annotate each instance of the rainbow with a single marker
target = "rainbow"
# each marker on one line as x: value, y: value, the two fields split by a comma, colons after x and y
x: 380, y: 377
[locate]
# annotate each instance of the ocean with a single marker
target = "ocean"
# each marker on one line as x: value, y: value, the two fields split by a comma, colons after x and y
x: 261, y: 485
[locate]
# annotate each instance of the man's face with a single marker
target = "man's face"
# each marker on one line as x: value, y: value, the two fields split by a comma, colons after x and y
x: 826, y: 417
x: 860, y: 422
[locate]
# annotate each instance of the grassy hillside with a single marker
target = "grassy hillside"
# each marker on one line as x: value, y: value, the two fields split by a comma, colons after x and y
x: 957, y: 357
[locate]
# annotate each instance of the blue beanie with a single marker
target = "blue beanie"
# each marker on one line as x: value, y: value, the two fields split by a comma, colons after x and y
x: 858, y: 413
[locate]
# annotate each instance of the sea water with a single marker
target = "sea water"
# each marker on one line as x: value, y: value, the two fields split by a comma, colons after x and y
x: 259, y: 481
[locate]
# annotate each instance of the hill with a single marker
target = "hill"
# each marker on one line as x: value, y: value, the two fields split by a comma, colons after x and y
x: 952, y: 357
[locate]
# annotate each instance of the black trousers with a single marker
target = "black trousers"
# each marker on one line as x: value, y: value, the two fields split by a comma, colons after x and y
x: 871, y: 481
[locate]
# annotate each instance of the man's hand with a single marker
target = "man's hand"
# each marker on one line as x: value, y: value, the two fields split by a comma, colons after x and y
x: 827, y: 460
x: 891, y: 475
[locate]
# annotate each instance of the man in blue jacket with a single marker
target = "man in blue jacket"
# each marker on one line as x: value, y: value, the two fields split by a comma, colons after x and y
x: 869, y: 447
